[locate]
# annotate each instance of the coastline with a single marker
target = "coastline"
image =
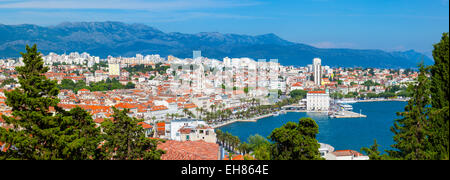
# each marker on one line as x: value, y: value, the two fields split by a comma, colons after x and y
x: 381, y: 100
x: 251, y: 120
x: 269, y: 115
x: 241, y: 120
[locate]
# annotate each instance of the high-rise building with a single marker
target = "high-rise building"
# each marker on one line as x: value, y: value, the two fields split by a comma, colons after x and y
x: 317, y: 68
x: 114, y: 69
x: 196, y: 54
x: 318, y: 100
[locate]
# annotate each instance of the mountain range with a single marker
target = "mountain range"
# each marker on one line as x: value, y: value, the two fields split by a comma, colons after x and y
x: 127, y: 40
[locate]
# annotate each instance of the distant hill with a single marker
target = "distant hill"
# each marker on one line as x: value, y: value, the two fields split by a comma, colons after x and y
x: 120, y: 39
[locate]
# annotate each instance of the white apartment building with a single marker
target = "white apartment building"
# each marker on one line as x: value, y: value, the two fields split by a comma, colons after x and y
x: 197, y: 133
x: 114, y: 69
x: 317, y: 66
x: 318, y: 101
x: 175, y: 125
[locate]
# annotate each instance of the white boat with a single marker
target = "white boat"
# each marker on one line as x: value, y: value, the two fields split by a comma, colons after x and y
x: 346, y: 107
x: 346, y: 101
x: 276, y: 114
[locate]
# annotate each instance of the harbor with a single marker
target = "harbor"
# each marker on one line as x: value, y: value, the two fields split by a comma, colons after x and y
x: 341, y: 133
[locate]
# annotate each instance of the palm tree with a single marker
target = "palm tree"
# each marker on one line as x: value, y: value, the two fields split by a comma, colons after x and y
x: 253, y: 101
x: 185, y: 111
x: 198, y: 110
x: 177, y: 115
x: 235, y: 141
x: 191, y: 114
x: 220, y: 136
x: 229, y: 113
x: 212, y: 107
x: 227, y: 140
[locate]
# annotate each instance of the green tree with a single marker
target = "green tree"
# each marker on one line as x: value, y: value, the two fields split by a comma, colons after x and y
x: 439, y: 99
x: 423, y: 132
x: 295, y: 141
x: 256, y: 141
x: 411, y: 132
x: 8, y: 81
x: 84, y: 144
x: 298, y: 93
x: 130, y: 85
x: 373, y: 152
x: 259, y: 146
x: 40, y: 129
x: 125, y: 139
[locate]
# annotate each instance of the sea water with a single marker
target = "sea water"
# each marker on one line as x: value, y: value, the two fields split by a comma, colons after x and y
x: 342, y: 134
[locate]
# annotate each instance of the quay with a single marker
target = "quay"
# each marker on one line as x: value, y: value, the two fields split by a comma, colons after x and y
x: 241, y: 120
x: 380, y: 100
x: 348, y: 114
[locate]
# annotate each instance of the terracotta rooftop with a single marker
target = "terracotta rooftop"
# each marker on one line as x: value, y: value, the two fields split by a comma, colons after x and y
x: 316, y: 92
x: 145, y: 125
x: 347, y: 153
x: 189, y: 150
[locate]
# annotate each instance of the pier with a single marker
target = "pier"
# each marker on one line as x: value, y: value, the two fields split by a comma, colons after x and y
x: 348, y: 114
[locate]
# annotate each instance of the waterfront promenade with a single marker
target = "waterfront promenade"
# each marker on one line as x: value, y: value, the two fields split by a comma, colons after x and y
x: 379, y: 100
x: 240, y: 120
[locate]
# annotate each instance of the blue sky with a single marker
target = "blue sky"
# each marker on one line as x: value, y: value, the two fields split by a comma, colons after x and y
x: 360, y: 24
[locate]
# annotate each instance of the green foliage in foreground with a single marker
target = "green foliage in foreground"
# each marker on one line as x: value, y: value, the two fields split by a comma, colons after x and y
x: 40, y: 130
x: 423, y: 131
x: 125, y: 139
x: 296, y: 141
x: 292, y: 141
x: 37, y: 133
x: 260, y: 147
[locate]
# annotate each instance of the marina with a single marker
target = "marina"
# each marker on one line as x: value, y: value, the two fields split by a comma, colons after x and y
x: 341, y: 133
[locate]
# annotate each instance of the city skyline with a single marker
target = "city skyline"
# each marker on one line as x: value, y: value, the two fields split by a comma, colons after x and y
x: 385, y: 25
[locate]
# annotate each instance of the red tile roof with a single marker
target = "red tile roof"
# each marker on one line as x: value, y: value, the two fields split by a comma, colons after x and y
x: 297, y: 84
x: 159, y: 108
x: 238, y: 157
x: 347, y: 153
x: 125, y: 106
x: 189, y: 150
x: 145, y: 125
x: 316, y: 92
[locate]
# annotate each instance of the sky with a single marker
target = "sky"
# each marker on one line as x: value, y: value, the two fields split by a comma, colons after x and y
x: 390, y: 25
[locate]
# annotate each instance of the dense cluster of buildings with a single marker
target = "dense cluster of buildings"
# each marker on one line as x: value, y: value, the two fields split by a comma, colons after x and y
x: 168, y: 100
